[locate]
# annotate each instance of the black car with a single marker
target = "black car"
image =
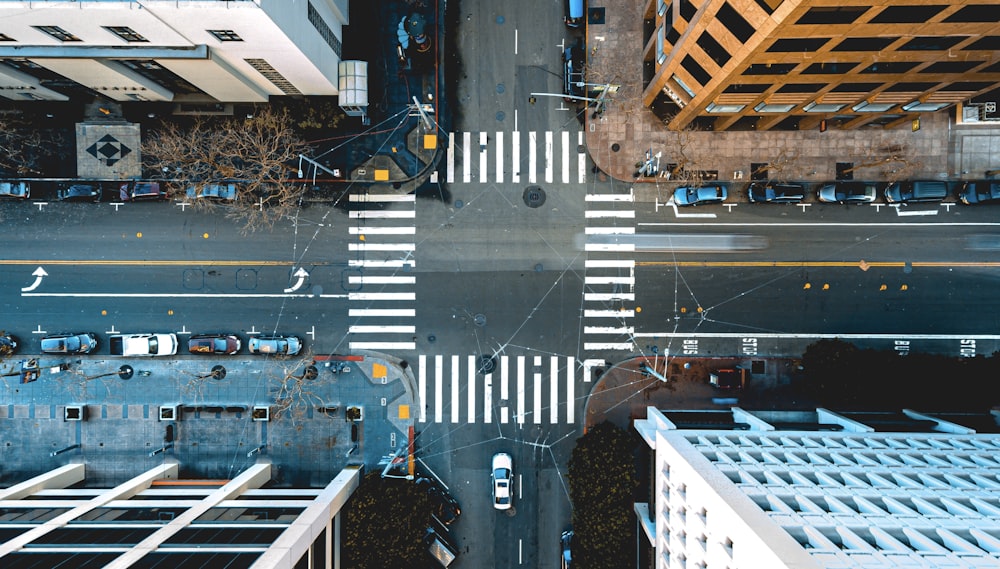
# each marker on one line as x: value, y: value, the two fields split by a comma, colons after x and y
x: 776, y: 192
x: 446, y: 508
x: 8, y: 344
x: 980, y: 192
x: 79, y: 193
x: 573, y: 83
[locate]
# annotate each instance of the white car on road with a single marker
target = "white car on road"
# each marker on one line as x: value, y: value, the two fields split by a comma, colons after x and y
x: 502, y: 474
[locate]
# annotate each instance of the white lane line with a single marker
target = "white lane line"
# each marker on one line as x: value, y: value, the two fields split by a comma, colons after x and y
x: 554, y: 390
x: 176, y: 295
x: 361, y: 329
x: 454, y: 388
x: 548, y: 157
x: 438, y: 388
x: 565, y: 156
x: 381, y: 296
x: 627, y: 346
x: 373, y: 198
x: 378, y: 264
x: 466, y: 158
x: 532, y: 157
x: 369, y: 230
x: 483, y: 173
x: 621, y: 247
x: 630, y: 330
x: 581, y: 161
x: 900, y: 336
x: 451, y: 158
x: 609, y: 313
x: 422, y: 387
x: 520, y: 390
x: 471, y: 388
x: 381, y: 280
x: 488, y: 398
x: 623, y: 214
x: 608, y: 263
x: 381, y: 246
x: 609, y: 280
x: 375, y: 312
x: 499, y: 146
x: 381, y: 214
x: 609, y: 230
x: 828, y: 224
x: 515, y: 146
x: 504, y: 389
x: 602, y: 297
x: 383, y: 345
x: 570, y: 389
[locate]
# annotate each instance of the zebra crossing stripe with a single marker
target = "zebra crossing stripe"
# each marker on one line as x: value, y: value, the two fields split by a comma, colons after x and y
x: 612, y: 247
x: 623, y: 214
x: 609, y: 313
x: 565, y: 157
x: 381, y: 214
x: 382, y: 346
x: 581, y: 158
x: 372, y: 230
x: 378, y: 198
x: 597, y: 346
x: 609, y: 280
x: 630, y: 330
x: 450, y: 177
x: 381, y: 296
x: 536, y: 411
x: 499, y: 156
x: 520, y: 390
x: 553, y: 390
x: 532, y: 157
x: 606, y: 297
x: 454, y: 389
x: 362, y: 312
x: 380, y: 264
x: 504, y: 389
x: 609, y: 230
x: 422, y: 387
x: 630, y: 197
x: 609, y: 263
x: 365, y: 246
x: 482, y: 159
x: 548, y: 157
x: 466, y: 150
x: 438, y: 388
x: 570, y: 389
x: 488, y: 398
x: 471, y: 389
x: 362, y: 329
x: 515, y: 146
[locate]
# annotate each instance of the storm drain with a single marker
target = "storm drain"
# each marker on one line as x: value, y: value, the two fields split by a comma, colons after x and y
x: 533, y: 196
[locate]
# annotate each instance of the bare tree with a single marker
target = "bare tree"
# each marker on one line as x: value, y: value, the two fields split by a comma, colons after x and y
x: 886, y: 156
x: 258, y: 153
x: 23, y: 146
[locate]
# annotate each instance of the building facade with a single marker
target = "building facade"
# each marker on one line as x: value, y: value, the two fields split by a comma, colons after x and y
x: 799, y: 64
x: 157, y: 520
x: 745, y: 490
x: 197, y: 51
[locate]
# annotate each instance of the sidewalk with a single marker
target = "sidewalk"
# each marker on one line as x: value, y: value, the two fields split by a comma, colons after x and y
x: 619, y: 138
x: 217, y: 428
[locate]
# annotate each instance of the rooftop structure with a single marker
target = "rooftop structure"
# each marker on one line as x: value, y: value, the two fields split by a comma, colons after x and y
x: 763, y: 64
x: 821, y: 489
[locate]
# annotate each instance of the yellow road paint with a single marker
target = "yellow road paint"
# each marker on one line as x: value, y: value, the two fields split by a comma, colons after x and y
x: 638, y: 309
x: 139, y: 234
x: 104, y: 313
x: 904, y: 287
x: 807, y: 286
x: 817, y: 264
x: 826, y: 286
x: 170, y: 313
x: 883, y: 287
x: 379, y: 371
x: 430, y: 141
x: 204, y: 235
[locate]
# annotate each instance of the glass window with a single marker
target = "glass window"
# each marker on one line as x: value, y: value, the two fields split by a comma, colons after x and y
x: 735, y: 23
x: 770, y: 68
x: 822, y: 107
x: 907, y: 14
x: 866, y: 107
x: 711, y: 47
x: 687, y: 9
x: 801, y: 87
x: 661, y: 7
x: 864, y: 44
x: 713, y: 108
x: 5, y: 37
x: 832, y: 15
x: 672, y: 36
x: 126, y: 33
x: 225, y: 35
x: 798, y: 44
x: 830, y: 68
x: 661, y: 36
x: 976, y: 13
x: 924, y: 107
x: 890, y: 67
x: 985, y: 43
x: 766, y: 108
x: 696, y: 70
x: 933, y: 43
x: 951, y: 66
x: 58, y: 33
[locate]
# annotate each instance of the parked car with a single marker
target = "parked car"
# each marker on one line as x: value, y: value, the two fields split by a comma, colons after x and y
x: 847, y: 192
x: 566, y: 543
x: 689, y: 195
x: 141, y: 191
x: 217, y: 192
x: 142, y: 344
x: 980, y: 192
x: 79, y: 192
x: 918, y: 191
x: 78, y: 343
x: 573, y: 80
x: 227, y: 344
x: 21, y: 190
x: 278, y: 345
x: 775, y: 192
x: 502, y: 475
x: 8, y: 344
x: 446, y: 508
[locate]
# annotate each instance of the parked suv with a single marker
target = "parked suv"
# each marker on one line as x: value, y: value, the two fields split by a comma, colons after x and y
x: 980, y: 192
x: 141, y: 191
x: 913, y: 192
x: 776, y: 192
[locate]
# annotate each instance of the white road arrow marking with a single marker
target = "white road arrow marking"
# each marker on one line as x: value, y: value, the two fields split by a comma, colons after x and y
x: 39, y: 274
x: 302, y: 275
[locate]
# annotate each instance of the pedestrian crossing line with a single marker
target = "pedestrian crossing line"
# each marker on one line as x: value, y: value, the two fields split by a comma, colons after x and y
x: 630, y: 330
x: 450, y: 175
x: 609, y: 230
x: 610, y: 247
x: 532, y: 157
x: 422, y: 388
x: 383, y: 312
x: 454, y: 389
x: 499, y: 172
x: 374, y: 198
x: 466, y: 164
x: 381, y: 214
x: 570, y: 390
x: 581, y: 159
x: 372, y: 230
x: 610, y: 280
x: 382, y: 346
x: 623, y: 214
x: 629, y: 197
x: 487, y: 399
x: 609, y: 313
x: 553, y: 389
x: 438, y: 388
x: 381, y: 280
x: 382, y: 264
x: 548, y: 157
x: 381, y: 296
x: 515, y: 146
x: 520, y: 390
x: 483, y: 174
x: 536, y: 411
x: 471, y: 389
x: 507, y: 151
x: 565, y: 157
x: 607, y: 297
x: 619, y: 346
x: 609, y: 263
x: 361, y: 329
x: 366, y: 246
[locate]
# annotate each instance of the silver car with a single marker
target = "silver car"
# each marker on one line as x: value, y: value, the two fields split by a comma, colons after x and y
x: 277, y: 345
x: 847, y: 192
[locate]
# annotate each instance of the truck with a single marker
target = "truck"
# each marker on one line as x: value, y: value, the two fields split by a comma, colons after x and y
x: 143, y: 344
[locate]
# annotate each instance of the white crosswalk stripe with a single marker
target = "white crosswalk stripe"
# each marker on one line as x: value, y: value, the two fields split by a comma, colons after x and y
x: 381, y: 292
x: 544, y: 390
x: 610, y: 273
x: 488, y: 157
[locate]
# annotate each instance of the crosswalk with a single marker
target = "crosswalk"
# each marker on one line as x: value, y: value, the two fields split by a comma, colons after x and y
x: 382, y: 279
x: 521, y: 390
x: 609, y: 299
x: 516, y: 157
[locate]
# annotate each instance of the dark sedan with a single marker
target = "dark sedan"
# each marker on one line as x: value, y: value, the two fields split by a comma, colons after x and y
x: 214, y: 344
x: 775, y: 192
x: 980, y: 192
x: 78, y: 343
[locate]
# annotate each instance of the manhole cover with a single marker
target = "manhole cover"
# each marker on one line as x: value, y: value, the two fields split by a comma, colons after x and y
x: 534, y: 196
x: 616, y: 147
x: 487, y: 364
x: 480, y: 320
x: 125, y: 372
x: 218, y: 373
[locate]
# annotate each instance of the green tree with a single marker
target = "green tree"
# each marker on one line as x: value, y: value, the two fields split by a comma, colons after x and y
x: 602, y: 483
x: 385, y: 521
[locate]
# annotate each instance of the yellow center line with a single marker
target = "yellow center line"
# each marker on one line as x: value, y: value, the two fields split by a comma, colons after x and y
x: 155, y: 262
x: 851, y: 264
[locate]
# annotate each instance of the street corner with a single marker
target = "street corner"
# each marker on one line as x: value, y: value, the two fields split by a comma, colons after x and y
x: 395, y: 381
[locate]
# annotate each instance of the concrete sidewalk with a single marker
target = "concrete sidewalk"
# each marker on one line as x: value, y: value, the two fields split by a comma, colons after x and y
x: 217, y: 429
x: 619, y: 138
